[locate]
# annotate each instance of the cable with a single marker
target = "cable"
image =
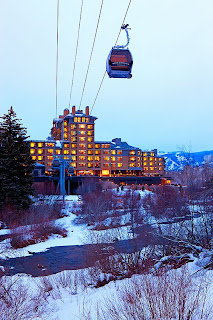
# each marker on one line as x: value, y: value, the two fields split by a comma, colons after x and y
x: 123, y: 21
x: 91, y: 52
x: 115, y: 45
x: 76, y: 51
x: 56, y: 80
x: 98, y: 91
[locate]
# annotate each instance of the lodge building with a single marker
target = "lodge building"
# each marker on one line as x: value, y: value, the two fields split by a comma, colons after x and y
x: 73, y: 138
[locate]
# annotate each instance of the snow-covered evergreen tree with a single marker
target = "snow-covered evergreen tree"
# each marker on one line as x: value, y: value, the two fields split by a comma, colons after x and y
x: 16, y: 165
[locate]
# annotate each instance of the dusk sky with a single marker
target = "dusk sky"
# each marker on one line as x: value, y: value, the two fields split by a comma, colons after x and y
x: 167, y: 103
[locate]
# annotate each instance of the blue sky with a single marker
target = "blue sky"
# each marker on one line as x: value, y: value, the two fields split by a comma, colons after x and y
x: 167, y: 103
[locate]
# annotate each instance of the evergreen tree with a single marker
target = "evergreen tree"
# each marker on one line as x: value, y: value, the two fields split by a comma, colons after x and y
x: 16, y: 165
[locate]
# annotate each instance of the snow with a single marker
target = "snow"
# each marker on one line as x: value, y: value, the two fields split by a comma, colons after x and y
x: 77, y: 234
x: 77, y: 302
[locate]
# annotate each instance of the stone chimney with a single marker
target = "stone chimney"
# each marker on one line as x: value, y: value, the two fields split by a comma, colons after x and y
x: 66, y: 112
x: 87, y: 110
x: 73, y: 110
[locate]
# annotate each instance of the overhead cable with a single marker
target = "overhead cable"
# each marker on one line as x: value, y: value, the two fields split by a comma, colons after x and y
x: 91, y: 53
x: 56, y: 80
x: 76, y: 51
x: 115, y: 45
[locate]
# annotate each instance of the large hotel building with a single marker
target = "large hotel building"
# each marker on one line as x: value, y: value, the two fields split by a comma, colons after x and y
x: 73, y: 138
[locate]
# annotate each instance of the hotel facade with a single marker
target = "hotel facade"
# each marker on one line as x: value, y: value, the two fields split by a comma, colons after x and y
x: 73, y: 138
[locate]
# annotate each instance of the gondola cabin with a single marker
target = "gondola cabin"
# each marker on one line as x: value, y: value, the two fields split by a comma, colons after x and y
x: 119, y: 63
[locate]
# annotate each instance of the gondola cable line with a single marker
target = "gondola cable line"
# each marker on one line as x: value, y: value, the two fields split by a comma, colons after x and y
x: 56, y: 80
x: 102, y: 80
x: 76, y: 52
x: 93, y: 45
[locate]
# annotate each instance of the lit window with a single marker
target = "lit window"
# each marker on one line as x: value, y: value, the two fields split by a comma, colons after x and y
x: 40, y: 151
x: 151, y: 163
x: 90, y: 146
x: 82, y: 139
x: 90, y: 126
x: 75, y: 119
x: 65, y: 129
x: 150, y: 158
x: 97, y: 146
x: 145, y: 154
x: 82, y: 151
x: 97, y: 151
x: 73, y: 133
x: 106, y: 164
x: 66, y: 145
x: 82, y: 126
x: 73, y: 164
x: 33, y: 157
x: 119, y: 159
x: 66, y: 157
x: 50, y: 151
x: 113, y: 152
x: 50, y: 157
x: 112, y: 158
x: 32, y: 151
x: 90, y: 133
x: 74, y: 145
x: 105, y: 172
x: 113, y: 165
x: 145, y: 163
x: 90, y: 158
x: 82, y: 132
x: 73, y: 126
x: 132, y: 158
x: 58, y: 151
x: 65, y: 123
x: 132, y: 152
x: 119, y: 152
x: 83, y: 119
x: 106, y: 158
x: 139, y: 153
x: 119, y: 165
x: 90, y: 139
x: 145, y: 159
x: 97, y: 158
x: 73, y: 158
x: 105, y: 145
x: 48, y: 144
x: 106, y: 151
x: 90, y: 152
x: 152, y: 154
x: 40, y: 158
x: 73, y: 139
x: 82, y: 164
x: 82, y: 145
x: 40, y: 144
x: 65, y: 136
x: 32, y: 144
x: 82, y: 158
x: 146, y: 168
x: 87, y: 119
x: 138, y: 158
x: 151, y: 168
x: 97, y: 165
x: 132, y: 164
x: 90, y: 165
x: 66, y: 151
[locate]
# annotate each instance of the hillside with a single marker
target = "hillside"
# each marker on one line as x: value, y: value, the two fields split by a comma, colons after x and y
x: 177, y: 160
